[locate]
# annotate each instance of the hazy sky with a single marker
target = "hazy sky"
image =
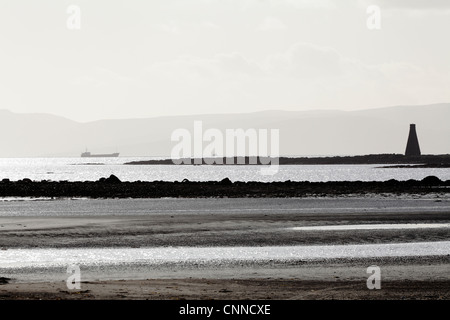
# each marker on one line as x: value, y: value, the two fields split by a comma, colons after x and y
x: 139, y: 58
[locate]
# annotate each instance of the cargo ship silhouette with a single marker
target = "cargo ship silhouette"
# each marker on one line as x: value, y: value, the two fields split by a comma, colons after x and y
x: 91, y: 155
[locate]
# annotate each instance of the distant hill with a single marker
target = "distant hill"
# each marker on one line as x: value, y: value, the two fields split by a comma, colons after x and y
x: 302, y: 133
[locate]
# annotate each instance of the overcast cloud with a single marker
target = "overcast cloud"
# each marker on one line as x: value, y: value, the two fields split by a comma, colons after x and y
x: 174, y: 57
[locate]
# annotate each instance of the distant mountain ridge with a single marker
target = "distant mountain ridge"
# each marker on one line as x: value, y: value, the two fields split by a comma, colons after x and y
x: 302, y: 133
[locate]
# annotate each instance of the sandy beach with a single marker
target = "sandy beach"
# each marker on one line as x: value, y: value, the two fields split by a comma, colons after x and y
x: 229, y: 223
x: 218, y: 289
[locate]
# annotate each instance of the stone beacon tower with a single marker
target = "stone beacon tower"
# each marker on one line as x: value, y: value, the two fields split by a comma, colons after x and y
x: 412, y: 148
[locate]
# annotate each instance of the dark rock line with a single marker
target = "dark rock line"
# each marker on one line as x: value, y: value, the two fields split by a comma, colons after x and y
x: 112, y: 187
x: 431, y: 160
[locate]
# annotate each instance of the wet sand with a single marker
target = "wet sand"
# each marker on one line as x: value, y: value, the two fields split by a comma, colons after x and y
x: 406, y: 278
x: 249, y: 222
x: 220, y: 289
x: 215, y: 222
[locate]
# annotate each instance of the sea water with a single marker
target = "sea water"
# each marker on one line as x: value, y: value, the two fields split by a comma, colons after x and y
x: 92, y: 169
x: 20, y: 258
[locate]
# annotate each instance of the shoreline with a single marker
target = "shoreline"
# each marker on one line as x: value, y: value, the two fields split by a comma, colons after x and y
x: 409, y: 278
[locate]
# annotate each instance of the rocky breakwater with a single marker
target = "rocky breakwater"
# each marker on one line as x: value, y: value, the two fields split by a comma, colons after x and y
x: 112, y: 187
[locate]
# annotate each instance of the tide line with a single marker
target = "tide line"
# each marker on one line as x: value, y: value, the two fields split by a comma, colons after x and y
x: 373, y: 227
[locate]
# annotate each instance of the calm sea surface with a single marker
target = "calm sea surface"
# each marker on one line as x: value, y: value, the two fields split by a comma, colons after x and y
x: 20, y: 258
x: 91, y: 169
